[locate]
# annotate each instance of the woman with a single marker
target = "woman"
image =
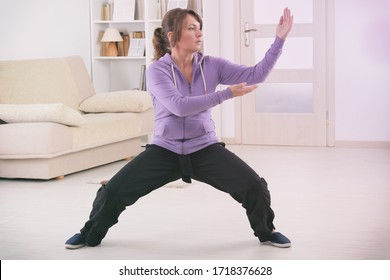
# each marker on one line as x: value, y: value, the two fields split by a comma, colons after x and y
x: 182, y: 83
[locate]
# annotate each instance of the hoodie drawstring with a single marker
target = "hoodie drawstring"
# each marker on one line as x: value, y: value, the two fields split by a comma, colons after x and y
x: 204, y: 80
x: 201, y: 72
x: 173, y: 75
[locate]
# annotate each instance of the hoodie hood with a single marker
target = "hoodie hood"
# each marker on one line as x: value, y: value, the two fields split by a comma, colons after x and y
x: 196, y: 64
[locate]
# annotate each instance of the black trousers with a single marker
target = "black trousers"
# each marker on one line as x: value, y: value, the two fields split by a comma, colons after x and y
x: 153, y: 168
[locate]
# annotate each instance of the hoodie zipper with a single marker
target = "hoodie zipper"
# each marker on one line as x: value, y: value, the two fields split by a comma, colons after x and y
x: 184, y: 135
x: 190, y: 92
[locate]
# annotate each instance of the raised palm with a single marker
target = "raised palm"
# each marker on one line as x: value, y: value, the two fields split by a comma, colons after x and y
x: 285, y: 24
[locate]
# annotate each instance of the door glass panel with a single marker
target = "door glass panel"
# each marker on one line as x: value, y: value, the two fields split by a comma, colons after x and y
x: 284, y: 98
x: 269, y: 11
x: 297, y: 52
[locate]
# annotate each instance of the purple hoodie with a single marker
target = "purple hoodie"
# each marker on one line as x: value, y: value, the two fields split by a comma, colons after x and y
x: 183, y: 122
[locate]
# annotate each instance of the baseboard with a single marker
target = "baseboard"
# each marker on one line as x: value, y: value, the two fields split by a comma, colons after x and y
x: 229, y: 140
x: 337, y: 143
x: 363, y: 144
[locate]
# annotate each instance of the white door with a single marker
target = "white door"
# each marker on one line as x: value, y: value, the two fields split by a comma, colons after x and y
x: 290, y: 107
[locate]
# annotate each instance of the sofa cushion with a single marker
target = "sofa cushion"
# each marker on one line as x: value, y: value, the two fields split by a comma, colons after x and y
x: 38, y: 81
x: 26, y: 113
x: 80, y: 76
x: 102, y: 129
x: 117, y: 101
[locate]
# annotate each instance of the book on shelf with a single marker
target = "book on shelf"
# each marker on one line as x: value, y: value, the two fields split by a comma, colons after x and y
x: 106, y: 11
x: 138, y: 34
x: 196, y: 5
x: 172, y: 4
x: 123, y: 10
x: 142, y: 79
x: 155, y: 7
x: 162, y: 6
x: 126, y: 44
x: 139, y: 9
x: 121, y: 46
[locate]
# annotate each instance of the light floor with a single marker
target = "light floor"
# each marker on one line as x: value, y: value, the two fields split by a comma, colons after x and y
x: 333, y: 203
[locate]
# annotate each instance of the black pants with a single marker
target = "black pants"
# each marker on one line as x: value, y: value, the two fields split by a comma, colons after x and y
x: 214, y: 165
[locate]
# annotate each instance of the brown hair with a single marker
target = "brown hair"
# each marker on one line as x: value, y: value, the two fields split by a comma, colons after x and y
x: 172, y: 22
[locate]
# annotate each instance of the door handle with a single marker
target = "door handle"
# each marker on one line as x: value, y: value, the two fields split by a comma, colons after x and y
x: 247, y: 30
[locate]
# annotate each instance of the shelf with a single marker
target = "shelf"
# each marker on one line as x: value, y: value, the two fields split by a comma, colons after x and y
x: 118, y: 21
x: 119, y: 57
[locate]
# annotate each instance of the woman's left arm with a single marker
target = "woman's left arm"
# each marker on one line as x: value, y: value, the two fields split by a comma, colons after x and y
x: 285, y: 24
x: 231, y: 73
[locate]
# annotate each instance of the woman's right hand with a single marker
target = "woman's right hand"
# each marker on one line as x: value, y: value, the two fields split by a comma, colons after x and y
x: 242, y: 89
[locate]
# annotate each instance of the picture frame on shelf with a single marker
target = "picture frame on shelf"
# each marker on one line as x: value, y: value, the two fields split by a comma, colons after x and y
x: 137, y: 47
x: 123, y: 10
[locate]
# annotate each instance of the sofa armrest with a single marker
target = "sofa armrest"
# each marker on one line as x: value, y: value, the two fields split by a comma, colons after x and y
x: 29, y: 140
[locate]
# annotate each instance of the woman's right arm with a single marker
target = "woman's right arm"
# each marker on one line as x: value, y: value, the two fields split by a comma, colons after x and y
x: 162, y: 88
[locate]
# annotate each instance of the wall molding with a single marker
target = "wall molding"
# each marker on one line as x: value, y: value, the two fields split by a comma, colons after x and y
x: 363, y: 144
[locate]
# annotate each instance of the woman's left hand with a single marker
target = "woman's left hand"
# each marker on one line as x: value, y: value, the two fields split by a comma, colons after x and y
x: 285, y: 24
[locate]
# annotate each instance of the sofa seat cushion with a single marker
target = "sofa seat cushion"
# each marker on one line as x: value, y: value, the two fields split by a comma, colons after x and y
x: 24, y: 113
x: 104, y: 128
x: 48, y: 140
x: 34, y: 140
x: 117, y: 101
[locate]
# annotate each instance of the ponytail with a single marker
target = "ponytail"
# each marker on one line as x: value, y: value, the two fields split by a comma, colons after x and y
x: 160, y: 44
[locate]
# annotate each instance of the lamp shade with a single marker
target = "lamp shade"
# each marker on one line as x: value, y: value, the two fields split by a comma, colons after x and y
x: 111, y: 35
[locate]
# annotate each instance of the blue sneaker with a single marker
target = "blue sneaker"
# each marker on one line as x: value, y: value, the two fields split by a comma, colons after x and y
x: 75, y: 242
x: 278, y: 240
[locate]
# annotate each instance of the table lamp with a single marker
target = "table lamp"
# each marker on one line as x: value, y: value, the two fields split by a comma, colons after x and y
x: 111, y: 36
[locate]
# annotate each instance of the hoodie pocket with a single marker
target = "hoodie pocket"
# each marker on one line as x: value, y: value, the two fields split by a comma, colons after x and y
x: 197, y: 128
x: 182, y: 129
x: 171, y: 130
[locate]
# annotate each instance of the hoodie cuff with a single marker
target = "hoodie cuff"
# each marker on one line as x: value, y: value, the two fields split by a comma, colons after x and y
x: 227, y: 94
x: 278, y: 43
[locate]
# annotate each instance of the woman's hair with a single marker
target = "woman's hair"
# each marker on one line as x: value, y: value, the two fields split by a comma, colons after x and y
x: 172, y: 22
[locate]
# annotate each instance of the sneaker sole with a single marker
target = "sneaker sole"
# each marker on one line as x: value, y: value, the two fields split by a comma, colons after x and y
x: 73, y: 247
x: 285, y: 245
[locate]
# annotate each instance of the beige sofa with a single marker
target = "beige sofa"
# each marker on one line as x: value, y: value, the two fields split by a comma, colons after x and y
x: 53, y: 123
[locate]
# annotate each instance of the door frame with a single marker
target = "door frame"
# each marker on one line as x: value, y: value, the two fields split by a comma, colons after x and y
x: 330, y: 72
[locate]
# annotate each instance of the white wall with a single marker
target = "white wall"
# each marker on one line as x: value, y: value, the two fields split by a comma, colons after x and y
x: 362, y: 75
x: 49, y: 28
x: 44, y: 28
x: 227, y: 51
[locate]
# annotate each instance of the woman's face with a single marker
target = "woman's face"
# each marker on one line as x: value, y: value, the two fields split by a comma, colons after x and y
x: 191, y: 35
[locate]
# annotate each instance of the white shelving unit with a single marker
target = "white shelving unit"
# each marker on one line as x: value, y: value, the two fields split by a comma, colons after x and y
x: 121, y: 72
x: 114, y: 73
